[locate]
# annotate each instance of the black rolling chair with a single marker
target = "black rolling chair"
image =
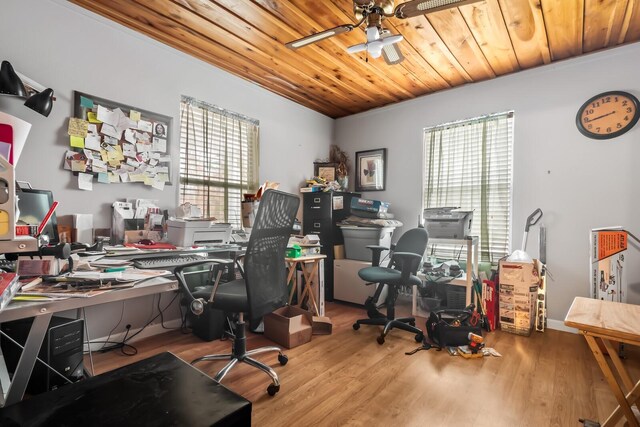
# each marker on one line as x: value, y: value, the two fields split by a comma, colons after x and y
x: 263, y: 287
x: 405, y: 260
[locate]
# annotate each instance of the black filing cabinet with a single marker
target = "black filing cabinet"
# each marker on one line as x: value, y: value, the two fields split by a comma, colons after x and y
x: 322, y: 211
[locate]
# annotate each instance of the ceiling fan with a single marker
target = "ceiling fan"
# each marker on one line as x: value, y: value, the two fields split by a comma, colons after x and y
x: 370, y: 14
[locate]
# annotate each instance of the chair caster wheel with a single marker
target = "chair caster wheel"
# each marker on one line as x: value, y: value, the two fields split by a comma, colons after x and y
x: 283, y: 359
x: 380, y: 339
x: 273, y: 389
x: 419, y: 337
x: 356, y: 326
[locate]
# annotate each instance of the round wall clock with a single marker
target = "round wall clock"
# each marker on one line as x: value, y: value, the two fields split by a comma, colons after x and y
x: 608, y: 115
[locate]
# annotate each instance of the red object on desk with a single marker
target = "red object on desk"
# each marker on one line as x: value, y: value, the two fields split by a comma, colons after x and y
x: 154, y: 246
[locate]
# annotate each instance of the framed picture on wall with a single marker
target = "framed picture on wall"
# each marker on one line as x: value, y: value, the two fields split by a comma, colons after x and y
x: 325, y: 170
x: 371, y: 173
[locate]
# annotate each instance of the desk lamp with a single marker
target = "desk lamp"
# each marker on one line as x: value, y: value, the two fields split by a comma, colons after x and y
x: 37, y: 97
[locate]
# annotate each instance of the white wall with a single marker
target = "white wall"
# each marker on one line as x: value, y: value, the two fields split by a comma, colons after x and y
x: 67, y: 48
x: 579, y: 183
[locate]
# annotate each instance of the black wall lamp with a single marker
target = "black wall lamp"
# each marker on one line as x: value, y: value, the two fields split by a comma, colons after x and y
x: 11, y: 83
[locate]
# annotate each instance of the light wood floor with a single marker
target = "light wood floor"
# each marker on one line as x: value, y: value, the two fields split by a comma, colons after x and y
x: 547, y: 379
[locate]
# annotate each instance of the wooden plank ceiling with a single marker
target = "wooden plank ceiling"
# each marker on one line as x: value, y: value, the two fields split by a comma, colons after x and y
x: 443, y: 49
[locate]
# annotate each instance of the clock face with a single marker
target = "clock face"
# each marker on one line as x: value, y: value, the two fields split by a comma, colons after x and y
x: 608, y: 115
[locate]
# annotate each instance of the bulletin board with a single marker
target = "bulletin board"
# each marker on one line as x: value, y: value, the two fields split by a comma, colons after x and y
x: 111, y: 143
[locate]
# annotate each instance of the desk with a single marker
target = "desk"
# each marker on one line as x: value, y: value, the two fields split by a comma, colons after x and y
x: 600, y: 322
x: 12, y: 391
x: 315, y: 262
x: 161, y: 390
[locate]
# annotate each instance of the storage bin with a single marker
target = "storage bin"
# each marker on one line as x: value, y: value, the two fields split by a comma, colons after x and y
x: 356, y: 240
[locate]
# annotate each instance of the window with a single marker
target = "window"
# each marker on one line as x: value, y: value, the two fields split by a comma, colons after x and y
x: 469, y: 164
x: 218, y: 159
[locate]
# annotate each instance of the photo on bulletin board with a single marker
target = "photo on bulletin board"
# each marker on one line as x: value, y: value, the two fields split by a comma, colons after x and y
x: 371, y: 170
x: 111, y: 142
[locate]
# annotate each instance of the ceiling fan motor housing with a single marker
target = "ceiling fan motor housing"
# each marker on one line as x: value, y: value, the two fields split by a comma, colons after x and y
x: 361, y: 8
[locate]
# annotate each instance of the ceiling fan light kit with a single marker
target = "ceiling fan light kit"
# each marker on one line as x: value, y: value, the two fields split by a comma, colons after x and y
x: 371, y: 13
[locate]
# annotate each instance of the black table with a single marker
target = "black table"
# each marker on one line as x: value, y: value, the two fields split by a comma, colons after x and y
x: 162, y: 390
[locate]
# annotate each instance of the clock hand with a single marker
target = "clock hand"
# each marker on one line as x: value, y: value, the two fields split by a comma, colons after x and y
x: 599, y: 117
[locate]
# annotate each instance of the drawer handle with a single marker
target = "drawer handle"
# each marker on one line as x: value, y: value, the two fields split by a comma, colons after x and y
x: 316, y: 225
x: 316, y: 200
x: 315, y: 207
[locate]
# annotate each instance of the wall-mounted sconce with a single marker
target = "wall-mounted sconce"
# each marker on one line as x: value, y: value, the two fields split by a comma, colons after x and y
x: 37, y: 97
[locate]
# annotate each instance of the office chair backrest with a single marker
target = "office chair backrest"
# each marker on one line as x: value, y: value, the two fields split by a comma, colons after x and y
x: 264, y: 265
x: 414, y: 241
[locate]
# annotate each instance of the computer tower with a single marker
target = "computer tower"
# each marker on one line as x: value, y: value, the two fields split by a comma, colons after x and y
x: 61, y: 348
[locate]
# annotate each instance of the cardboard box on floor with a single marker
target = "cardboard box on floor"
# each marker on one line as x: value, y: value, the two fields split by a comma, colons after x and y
x: 288, y: 326
x: 519, y: 283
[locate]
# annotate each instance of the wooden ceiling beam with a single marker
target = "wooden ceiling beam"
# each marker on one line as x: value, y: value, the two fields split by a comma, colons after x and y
x: 525, y: 25
x: 335, y: 59
x: 632, y: 31
x: 215, y: 55
x: 224, y: 18
x: 564, y: 22
x: 603, y: 21
x: 421, y: 36
x: 382, y: 76
x: 453, y: 29
x: 486, y: 23
x: 204, y: 29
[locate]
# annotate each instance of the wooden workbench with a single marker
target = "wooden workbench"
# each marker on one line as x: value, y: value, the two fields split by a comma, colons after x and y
x: 602, y: 322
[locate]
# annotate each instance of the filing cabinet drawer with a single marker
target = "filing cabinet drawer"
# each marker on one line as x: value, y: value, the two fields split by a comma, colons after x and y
x: 317, y: 206
x: 321, y: 227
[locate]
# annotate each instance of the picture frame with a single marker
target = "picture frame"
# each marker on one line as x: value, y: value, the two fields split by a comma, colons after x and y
x: 371, y: 172
x: 326, y: 170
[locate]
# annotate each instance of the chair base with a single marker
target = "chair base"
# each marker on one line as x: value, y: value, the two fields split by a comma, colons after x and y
x: 404, y: 323
x: 240, y: 354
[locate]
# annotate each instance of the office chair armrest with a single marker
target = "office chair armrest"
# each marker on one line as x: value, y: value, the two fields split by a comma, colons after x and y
x: 407, y: 263
x: 182, y: 282
x: 376, y: 251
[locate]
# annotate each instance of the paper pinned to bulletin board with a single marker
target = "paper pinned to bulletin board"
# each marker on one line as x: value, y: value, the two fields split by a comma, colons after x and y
x: 111, y: 143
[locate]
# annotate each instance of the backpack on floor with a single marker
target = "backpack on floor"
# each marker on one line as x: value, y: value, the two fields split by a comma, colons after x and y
x: 451, y: 327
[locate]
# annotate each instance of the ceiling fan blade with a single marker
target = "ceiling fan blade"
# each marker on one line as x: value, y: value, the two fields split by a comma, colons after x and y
x: 422, y: 7
x: 392, y: 39
x: 392, y: 54
x: 296, y: 44
x: 357, y: 48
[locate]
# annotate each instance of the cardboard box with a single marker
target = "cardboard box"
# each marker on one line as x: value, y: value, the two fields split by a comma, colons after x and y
x: 608, y: 275
x: 519, y: 283
x: 321, y: 325
x: 367, y: 205
x: 288, y: 326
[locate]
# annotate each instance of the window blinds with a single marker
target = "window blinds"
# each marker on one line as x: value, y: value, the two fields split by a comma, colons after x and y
x: 469, y: 164
x: 218, y: 159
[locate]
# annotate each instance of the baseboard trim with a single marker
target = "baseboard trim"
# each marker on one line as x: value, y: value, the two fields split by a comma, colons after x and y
x: 149, y: 331
x: 559, y: 325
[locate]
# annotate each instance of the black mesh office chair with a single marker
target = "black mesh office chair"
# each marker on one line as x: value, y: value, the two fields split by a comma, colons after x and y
x: 405, y: 260
x: 263, y: 287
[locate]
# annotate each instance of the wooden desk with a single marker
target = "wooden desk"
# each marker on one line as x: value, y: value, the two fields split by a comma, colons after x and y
x: 315, y: 261
x: 162, y: 390
x: 604, y: 321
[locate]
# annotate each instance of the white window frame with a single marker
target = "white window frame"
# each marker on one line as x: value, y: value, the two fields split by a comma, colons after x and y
x: 486, y: 253
x: 216, y: 187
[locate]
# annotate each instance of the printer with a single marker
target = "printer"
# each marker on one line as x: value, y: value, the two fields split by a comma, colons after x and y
x: 197, y: 232
x: 447, y: 223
